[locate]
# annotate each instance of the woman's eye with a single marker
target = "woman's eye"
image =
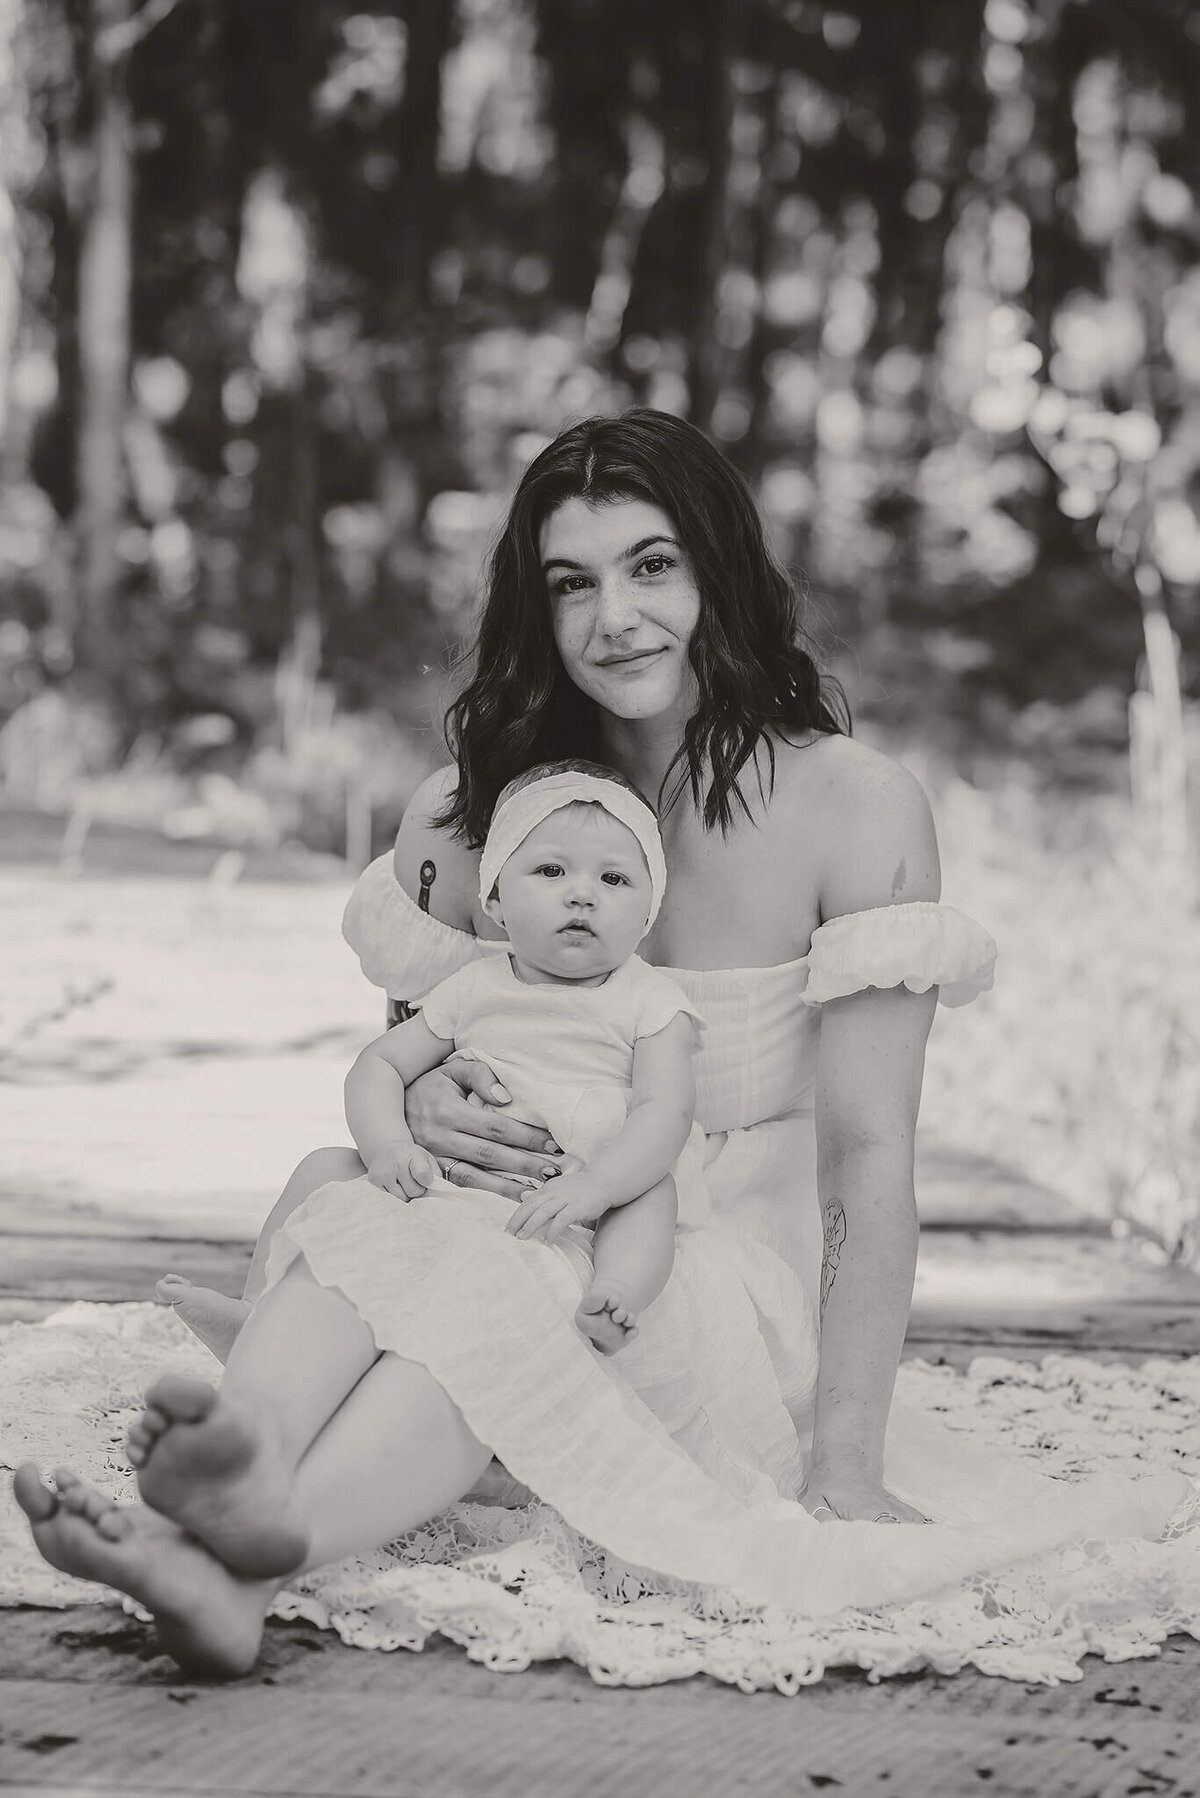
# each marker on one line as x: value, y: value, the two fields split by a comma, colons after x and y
x: 653, y: 565
x: 567, y: 584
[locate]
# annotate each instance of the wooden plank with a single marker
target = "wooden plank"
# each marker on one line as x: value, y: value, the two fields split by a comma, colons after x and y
x: 21, y: 1215
x: 113, y: 1268
x: 958, y: 1189
x: 480, y: 1738
x: 1034, y: 1292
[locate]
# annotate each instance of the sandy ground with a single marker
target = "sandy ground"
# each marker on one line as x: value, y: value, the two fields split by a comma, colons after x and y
x: 171, y: 1050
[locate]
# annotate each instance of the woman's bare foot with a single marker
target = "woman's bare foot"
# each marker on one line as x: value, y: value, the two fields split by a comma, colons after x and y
x: 210, y: 1621
x: 211, y: 1463
x: 607, y: 1316
x: 212, y: 1316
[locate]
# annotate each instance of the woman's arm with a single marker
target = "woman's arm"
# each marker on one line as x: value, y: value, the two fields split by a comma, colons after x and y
x: 871, y: 1063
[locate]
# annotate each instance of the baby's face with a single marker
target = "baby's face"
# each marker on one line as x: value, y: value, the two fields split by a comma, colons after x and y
x: 575, y: 896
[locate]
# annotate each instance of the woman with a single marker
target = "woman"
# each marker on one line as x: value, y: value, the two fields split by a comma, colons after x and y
x: 634, y: 616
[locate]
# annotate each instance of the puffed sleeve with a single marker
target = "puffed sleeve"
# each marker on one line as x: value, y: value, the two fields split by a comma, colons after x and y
x: 917, y: 945
x: 658, y: 999
x: 399, y: 946
x: 444, y: 1007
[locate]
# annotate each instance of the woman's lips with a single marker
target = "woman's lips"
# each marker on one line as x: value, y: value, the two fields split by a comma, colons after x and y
x: 633, y: 663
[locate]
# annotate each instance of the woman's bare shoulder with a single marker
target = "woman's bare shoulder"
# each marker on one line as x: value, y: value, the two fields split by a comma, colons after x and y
x: 422, y: 843
x: 866, y: 820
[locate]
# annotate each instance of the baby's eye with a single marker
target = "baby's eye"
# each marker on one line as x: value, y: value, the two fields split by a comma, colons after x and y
x: 616, y: 880
x: 551, y: 870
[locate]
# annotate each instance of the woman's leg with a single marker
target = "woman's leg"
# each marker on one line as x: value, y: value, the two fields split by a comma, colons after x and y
x: 317, y: 1169
x: 222, y: 1464
x: 304, y: 1370
x: 215, y: 1317
x: 395, y: 1453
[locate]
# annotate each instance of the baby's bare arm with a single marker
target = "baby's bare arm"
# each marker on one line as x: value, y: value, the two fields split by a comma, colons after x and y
x: 633, y: 1247
x: 375, y: 1084
x: 663, y: 1104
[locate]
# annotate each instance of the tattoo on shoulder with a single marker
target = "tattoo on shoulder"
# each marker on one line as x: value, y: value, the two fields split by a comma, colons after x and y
x: 428, y: 876
x: 835, y: 1241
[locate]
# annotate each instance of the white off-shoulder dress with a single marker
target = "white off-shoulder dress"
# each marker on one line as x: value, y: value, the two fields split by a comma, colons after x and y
x: 680, y: 1460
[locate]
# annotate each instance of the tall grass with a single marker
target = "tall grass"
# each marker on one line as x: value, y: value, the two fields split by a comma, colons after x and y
x: 1083, y: 1066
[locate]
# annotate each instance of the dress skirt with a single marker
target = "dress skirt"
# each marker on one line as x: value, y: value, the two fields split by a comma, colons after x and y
x: 684, y: 1454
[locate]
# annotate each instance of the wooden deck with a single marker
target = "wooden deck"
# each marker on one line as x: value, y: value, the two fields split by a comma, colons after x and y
x: 1004, y: 1267
x: 145, y: 1122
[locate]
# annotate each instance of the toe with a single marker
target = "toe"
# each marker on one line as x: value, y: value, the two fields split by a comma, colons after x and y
x: 171, y: 1288
x: 179, y: 1400
x: 74, y: 1497
x: 153, y: 1422
x: 35, y: 1498
x: 112, y: 1523
x: 93, y: 1504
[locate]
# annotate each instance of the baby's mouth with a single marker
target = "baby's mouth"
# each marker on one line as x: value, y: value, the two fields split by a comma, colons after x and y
x: 577, y: 929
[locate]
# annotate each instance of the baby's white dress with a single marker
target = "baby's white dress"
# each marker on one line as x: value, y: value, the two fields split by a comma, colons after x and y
x: 565, y: 1055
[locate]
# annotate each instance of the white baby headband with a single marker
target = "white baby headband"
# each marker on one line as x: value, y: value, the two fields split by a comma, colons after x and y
x: 525, y: 809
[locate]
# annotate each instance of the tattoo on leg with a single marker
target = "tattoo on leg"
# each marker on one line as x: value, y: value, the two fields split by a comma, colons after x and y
x: 835, y: 1238
x: 899, y: 877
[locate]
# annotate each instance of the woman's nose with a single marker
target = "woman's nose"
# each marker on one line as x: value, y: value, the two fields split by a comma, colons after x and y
x: 617, y: 608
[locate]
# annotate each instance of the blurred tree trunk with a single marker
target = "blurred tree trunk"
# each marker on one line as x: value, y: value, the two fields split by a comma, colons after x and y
x: 104, y: 340
x: 717, y: 109
x: 412, y: 455
x: 11, y: 132
x: 752, y: 452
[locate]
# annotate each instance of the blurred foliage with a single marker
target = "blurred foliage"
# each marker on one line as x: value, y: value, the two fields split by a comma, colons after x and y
x: 927, y: 271
x: 1100, y: 1098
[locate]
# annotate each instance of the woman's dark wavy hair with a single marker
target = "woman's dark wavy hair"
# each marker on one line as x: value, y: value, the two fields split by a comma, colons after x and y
x: 748, y: 651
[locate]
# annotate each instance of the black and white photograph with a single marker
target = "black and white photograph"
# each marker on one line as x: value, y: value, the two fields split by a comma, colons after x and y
x: 599, y: 898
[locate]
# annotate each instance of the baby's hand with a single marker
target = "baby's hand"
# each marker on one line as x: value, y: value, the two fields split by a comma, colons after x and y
x: 552, y: 1208
x: 403, y: 1169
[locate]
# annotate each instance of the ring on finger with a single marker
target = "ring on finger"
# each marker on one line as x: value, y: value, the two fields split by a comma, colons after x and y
x: 448, y: 1171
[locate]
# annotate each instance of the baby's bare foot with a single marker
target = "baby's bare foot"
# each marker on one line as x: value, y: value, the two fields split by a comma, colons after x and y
x: 209, y: 1620
x: 211, y: 1463
x: 606, y: 1315
x: 212, y: 1316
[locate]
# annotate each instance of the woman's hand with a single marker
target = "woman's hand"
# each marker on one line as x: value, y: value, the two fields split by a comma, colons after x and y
x: 457, y: 1112
x: 855, y: 1497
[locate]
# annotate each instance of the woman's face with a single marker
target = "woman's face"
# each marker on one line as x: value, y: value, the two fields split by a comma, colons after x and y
x: 625, y: 604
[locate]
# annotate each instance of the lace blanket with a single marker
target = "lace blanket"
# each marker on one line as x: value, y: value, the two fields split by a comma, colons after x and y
x: 517, y: 1586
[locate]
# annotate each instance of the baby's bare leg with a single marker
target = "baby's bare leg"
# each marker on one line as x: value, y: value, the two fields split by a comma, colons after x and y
x: 215, y: 1317
x: 633, y: 1251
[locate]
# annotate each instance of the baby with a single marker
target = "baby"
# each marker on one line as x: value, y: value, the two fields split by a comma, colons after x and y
x: 574, y: 1025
